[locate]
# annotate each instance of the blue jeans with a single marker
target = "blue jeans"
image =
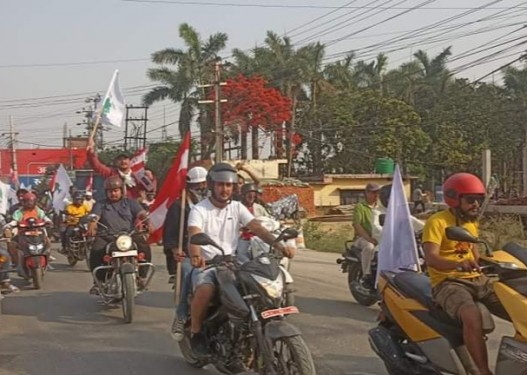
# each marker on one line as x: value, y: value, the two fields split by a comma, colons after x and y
x: 182, y: 309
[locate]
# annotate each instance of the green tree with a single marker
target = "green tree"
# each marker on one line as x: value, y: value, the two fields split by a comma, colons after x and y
x: 194, y: 66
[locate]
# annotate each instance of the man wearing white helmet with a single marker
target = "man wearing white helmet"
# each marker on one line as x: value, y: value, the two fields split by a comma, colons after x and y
x: 196, y: 191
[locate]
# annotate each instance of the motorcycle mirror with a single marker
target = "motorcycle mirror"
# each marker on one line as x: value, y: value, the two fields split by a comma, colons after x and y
x: 382, y: 219
x: 92, y: 217
x: 460, y: 234
x: 203, y: 239
x: 287, y: 234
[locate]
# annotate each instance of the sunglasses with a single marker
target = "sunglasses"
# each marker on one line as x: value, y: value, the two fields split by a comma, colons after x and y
x: 471, y: 199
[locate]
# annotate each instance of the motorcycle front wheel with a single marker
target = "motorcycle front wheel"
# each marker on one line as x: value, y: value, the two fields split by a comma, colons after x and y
x: 292, y: 357
x: 186, y: 351
x: 36, y: 276
x: 127, y: 302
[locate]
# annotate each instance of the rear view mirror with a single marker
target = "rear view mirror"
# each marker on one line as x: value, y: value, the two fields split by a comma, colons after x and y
x: 203, y: 239
x: 92, y: 217
x: 460, y: 234
x: 287, y: 234
x: 382, y: 219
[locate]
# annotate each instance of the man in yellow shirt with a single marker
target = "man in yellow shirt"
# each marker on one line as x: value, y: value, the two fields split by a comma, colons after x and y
x: 74, y: 211
x: 457, y: 282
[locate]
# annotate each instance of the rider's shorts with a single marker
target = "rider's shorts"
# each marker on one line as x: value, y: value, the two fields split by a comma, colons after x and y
x: 201, y: 277
x: 452, y: 294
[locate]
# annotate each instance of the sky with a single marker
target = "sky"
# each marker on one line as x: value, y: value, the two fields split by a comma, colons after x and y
x: 57, y: 53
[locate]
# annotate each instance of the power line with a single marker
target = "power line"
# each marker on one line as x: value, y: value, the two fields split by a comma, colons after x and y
x: 281, y: 6
x: 76, y: 63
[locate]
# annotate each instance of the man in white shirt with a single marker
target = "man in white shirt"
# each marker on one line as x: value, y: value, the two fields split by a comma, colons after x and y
x: 221, y: 218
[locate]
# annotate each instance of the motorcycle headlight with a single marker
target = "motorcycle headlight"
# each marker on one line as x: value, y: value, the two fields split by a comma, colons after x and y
x: 123, y: 242
x: 273, y: 288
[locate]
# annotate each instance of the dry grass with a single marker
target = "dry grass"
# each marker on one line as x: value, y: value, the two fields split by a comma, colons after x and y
x: 496, y: 229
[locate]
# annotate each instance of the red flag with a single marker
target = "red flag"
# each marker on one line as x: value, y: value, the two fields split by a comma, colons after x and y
x: 137, y: 165
x: 89, y: 183
x: 171, y: 189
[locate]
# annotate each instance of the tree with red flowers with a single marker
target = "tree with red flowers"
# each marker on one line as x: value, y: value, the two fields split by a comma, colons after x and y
x: 252, y: 106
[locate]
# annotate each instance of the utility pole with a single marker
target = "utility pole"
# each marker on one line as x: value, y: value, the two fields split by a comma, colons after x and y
x: 135, y: 128
x: 164, y: 135
x: 12, y: 146
x: 218, y: 127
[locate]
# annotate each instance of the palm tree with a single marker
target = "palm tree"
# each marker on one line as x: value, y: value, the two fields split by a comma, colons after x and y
x: 193, y: 67
x: 371, y: 74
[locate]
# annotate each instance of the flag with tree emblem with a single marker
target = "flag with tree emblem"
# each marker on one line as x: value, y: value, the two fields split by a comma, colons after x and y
x: 61, y: 189
x: 113, y: 105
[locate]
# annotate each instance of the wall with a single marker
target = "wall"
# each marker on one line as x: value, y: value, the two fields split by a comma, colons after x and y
x: 265, y: 169
x: 33, y: 162
x: 327, y: 194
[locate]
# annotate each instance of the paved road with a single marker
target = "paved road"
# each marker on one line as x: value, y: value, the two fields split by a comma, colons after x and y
x: 63, y: 330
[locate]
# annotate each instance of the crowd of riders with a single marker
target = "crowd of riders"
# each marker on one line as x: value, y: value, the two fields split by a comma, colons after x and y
x: 458, y: 283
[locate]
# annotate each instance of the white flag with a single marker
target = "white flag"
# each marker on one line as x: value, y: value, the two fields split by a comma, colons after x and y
x: 113, y: 105
x: 61, y: 191
x: 4, y: 197
x: 397, y: 249
x: 12, y: 198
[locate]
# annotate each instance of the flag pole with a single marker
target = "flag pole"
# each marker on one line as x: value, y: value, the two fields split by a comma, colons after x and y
x: 177, y: 289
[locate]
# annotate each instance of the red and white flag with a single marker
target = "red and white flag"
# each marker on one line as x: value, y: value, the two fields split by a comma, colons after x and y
x: 137, y: 165
x: 89, y: 183
x: 171, y: 189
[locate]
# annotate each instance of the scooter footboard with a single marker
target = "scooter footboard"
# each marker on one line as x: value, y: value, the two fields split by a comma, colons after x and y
x: 512, y: 357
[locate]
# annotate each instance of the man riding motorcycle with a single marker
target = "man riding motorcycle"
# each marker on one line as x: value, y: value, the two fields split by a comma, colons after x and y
x: 74, y: 212
x: 220, y: 217
x: 196, y: 191
x: 29, y: 209
x: 362, y: 223
x: 457, y: 282
x: 118, y: 214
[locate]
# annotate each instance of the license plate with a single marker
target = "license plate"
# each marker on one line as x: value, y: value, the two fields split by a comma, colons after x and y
x: 119, y: 254
x: 281, y: 311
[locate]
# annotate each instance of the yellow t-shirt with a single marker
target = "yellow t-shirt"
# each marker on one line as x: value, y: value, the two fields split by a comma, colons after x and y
x: 74, y: 213
x: 434, y: 231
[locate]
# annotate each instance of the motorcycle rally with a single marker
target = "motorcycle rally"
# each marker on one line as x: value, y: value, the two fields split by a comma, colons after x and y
x: 263, y: 187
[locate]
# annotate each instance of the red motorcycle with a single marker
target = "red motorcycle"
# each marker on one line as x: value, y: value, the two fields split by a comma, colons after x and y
x: 33, y: 244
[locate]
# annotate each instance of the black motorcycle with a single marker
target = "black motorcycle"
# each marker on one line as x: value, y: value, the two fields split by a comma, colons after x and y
x: 351, y: 264
x: 246, y: 324
x: 77, y: 244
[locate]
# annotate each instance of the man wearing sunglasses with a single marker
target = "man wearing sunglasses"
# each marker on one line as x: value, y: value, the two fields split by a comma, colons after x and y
x: 457, y: 283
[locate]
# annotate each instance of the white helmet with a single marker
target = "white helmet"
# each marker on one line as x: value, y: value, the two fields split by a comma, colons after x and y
x: 196, y: 175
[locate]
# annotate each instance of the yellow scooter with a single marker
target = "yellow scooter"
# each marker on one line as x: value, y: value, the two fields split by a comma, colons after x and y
x: 415, y: 336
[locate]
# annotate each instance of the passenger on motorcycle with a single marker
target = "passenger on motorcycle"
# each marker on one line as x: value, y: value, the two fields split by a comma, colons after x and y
x: 88, y: 200
x: 74, y: 212
x: 220, y: 217
x: 119, y: 214
x: 196, y: 191
x: 249, y: 194
x: 20, y: 195
x: 237, y: 195
x: 457, y: 282
x: 362, y: 223
x: 133, y: 187
x: 380, y: 211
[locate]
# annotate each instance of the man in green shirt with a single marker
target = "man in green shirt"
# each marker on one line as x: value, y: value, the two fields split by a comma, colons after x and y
x: 362, y: 223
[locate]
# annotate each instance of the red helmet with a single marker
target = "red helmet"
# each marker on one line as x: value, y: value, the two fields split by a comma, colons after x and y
x: 29, y: 197
x: 460, y: 184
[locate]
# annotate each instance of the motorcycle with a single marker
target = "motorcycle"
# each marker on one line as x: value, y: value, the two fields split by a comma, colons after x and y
x: 351, y: 264
x: 415, y: 336
x: 33, y: 244
x: 257, y: 247
x: 121, y: 281
x: 77, y: 245
x: 245, y: 322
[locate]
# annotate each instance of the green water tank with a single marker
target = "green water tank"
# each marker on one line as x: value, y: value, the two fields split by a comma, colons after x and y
x: 384, y: 166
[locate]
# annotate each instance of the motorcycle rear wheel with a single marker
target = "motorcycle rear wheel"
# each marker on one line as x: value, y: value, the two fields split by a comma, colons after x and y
x: 298, y: 360
x: 354, y: 276
x: 127, y: 302
x: 36, y: 276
